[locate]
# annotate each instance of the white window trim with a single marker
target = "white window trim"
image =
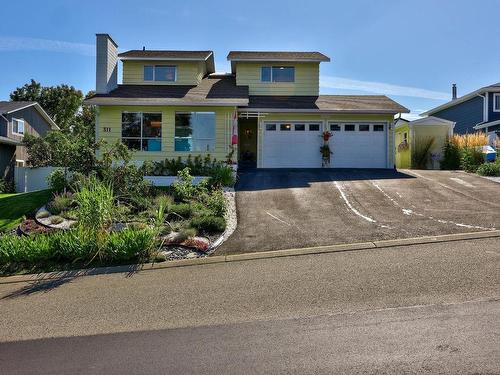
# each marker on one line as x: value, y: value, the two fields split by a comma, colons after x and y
x: 293, y: 122
x: 141, y: 138
x: 495, y: 108
x: 371, y: 125
x: 18, y: 120
x: 154, y: 70
x: 21, y: 162
x: 276, y: 66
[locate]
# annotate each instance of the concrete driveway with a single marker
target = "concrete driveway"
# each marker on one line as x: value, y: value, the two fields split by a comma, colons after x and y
x: 281, y: 209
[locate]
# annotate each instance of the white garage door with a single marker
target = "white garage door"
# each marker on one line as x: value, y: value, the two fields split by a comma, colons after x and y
x: 297, y: 145
x: 362, y: 145
x: 291, y: 145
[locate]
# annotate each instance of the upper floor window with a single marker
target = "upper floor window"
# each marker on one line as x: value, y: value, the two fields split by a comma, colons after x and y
x: 17, y: 126
x: 160, y: 73
x: 194, y: 131
x: 496, y: 102
x: 141, y: 131
x: 277, y: 74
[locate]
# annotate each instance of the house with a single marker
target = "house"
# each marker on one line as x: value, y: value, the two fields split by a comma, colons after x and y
x: 172, y: 103
x: 476, y: 111
x: 410, y: 135
x: 16, y: 120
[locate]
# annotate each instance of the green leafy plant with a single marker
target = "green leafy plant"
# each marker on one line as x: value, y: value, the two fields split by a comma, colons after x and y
x: 451, y: 157
x: 470, y: 159
x: 421, y: 153
x: 95, y: 204
x: 6, y: 186
x: 183, y: 187
x: 221, y: 175
x: 180, y: 211
x: 209, y: 224
x: 489, y: 169
x: 214, y: 201
x: 55, y: 219
x: 57, y: 180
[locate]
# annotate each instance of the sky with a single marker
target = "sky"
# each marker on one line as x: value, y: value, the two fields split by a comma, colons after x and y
x: 411, y: 51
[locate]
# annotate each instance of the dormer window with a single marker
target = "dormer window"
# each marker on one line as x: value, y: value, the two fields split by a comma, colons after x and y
x: 162, y: 73
x: 277, y: 74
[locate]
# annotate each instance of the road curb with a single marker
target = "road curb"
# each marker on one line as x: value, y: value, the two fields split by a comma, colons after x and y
x: 249, y: 256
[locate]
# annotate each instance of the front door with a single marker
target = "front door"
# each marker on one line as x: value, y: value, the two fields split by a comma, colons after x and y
x: 247, y: 129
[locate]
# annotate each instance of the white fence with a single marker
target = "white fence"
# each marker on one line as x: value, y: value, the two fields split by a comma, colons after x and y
x: 31, y: 179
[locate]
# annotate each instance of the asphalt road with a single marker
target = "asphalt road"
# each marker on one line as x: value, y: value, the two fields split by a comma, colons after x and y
x: 282, y: 209
x: 424, y: 308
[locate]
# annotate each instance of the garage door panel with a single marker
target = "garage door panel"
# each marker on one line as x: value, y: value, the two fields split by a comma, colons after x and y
x: 301, y: 149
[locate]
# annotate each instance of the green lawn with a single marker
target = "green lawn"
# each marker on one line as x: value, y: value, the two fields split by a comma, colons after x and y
x: 14, y: 206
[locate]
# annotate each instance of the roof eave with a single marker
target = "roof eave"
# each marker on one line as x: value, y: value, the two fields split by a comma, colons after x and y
x: 276, y: 60
x: 40, y: 110
x: 356, y: 111
x: 163, y: 102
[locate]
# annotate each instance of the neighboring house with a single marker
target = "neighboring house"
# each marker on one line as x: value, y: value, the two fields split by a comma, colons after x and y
x: 171, y: 103
x: 410, y: 135
x: 16, y: 120
x: 478, y: 110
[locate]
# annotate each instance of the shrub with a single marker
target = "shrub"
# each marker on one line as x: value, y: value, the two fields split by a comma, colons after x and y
x: 183, y: 187
x: 489, y: 169
x: 56, y: 219
x: 472, y: 140
x: 470, y: 159
x: 451, y: 157
x: 43, y: 214
x: 57, y: 180
x: 129, y: 244
x: 214, y: 201
x: 209, y: 224
x: 95, y: 204
x: 421, y: 153
x: 222, y: 175
x: 6, y: 186
x: 180, y: 211
x: 60, y: 203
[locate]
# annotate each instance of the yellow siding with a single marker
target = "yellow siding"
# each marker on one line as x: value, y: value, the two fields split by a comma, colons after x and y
x: 110, y: 117
x: 403, y: 158
x: 306, y: 79
x: 188, y: 72
x: 325, y: 119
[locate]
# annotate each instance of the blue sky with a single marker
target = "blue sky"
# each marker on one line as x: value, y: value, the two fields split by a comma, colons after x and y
x: 409, y: 50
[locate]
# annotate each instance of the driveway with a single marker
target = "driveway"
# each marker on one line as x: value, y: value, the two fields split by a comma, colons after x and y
x: 282, y: 209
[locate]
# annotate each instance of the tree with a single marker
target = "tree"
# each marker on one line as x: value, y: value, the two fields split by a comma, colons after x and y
x: 62, y: 102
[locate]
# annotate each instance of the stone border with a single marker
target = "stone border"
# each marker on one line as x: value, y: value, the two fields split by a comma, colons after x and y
x: 231, y: 219
x: 249, y: 256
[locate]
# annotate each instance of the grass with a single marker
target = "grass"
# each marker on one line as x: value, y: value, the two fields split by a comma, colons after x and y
x: 13, y: 207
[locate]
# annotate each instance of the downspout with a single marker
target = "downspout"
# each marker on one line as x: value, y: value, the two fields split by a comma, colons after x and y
x: 485, y: 109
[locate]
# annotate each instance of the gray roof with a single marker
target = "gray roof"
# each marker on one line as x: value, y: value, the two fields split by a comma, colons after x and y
x: 276, y: 56
x: 327, y: 103
x: 217, y: 90
x: 166, y: 54
x: 494, y: 87
x: 6, y: 107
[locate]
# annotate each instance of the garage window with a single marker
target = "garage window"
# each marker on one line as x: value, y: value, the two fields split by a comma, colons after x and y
x: 300, y: 127
x: 378, y: 128
x: 349, y: 127
x: 334, y: 127
x: 364, y: 127
x: 285, y: 127
x: 271, y: 127
x: 314, y: 127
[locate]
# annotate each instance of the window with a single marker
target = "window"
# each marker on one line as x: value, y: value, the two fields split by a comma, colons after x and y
x: 349, y: 127
x: 496, y: 102
x: 271, y: 127
x: 17, y: 126
x: 195, y: 131
x: 300, y: 127
x: 160, y: 73
x: 334, y: 127
x: 277, y: 74
x: 378, y: 128
x: 314, y: 127
x: 285, y: 127
x: 141, y: 131
x: 364, y: 127
x: 149, y: 72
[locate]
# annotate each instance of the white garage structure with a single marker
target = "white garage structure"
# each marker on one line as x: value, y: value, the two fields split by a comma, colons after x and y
x: 296, y: 144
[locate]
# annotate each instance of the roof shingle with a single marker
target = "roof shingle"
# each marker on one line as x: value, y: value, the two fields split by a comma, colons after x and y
x: 276, y: 56
x: 165, y: 54
x: 12, y: 106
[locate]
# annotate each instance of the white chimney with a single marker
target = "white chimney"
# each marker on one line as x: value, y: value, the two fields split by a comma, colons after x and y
x: 106, y: 64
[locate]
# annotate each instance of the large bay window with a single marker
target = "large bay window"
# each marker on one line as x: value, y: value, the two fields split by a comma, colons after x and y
x: 141, y: 131
x: 195, y: 131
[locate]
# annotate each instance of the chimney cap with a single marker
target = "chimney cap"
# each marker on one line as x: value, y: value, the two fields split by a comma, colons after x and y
x: 143, y: 48
x: 106, y: 36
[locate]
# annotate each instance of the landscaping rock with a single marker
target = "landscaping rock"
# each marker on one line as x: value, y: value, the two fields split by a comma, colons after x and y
x: 191, y: 256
